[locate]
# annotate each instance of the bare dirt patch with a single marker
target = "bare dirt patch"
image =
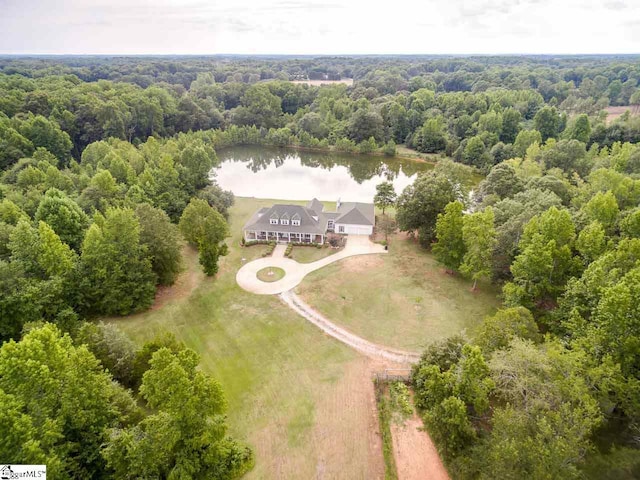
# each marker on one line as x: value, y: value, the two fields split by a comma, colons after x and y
x: 362, y: 263
x: 348, y: 412
x: 415, y: 454
x: 186, y: 282
x: 615, y: 112
x: 317, y: 83
x: 339, y: 419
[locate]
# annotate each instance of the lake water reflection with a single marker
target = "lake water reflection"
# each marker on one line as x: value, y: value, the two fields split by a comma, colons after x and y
x: 294, y: 175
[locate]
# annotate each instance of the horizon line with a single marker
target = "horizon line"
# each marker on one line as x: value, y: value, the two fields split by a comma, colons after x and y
x: 499, y: 54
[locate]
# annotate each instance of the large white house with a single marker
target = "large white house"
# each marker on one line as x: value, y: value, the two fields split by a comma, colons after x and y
x: 309, y: 224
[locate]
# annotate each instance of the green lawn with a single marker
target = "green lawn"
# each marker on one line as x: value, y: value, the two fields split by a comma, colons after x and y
x: 402, y: 299
x: 270, y: 274
x: 302, y: 400
x: 311, y: 254
x: 280, y: 373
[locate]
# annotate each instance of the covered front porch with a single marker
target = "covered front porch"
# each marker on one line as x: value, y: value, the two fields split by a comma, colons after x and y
x: 283, y: 237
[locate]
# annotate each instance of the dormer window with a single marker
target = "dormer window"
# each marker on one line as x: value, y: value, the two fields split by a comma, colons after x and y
x: 295, y: 222
x: 273, y: 221
x: 284, y: 221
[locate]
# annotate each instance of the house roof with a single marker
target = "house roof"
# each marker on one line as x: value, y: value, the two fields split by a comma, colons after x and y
x: 349, y: 212
x: 257, y: 215
x: 316, y: 205
x: 307, y: 223
x: 356, y: 213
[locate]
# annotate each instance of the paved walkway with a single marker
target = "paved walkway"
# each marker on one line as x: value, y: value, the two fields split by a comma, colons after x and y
x: 278, y: 252
x: 294, y: 271
x: 357, y: 343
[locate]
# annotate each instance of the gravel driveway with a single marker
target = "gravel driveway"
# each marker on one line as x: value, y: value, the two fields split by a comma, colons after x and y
x: 294, y: 271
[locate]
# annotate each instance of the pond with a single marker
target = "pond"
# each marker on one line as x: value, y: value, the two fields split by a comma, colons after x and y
x: 287, y: 174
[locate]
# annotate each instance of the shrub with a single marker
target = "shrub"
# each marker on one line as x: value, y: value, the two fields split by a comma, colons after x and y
x: 270, y: 248
x: 401, y: 400
x: 384, y: 417
x: 345, y: 145
x: 367, y: 146
x: 251, y: 243
x: 390, y: 148
x: 335, y: 241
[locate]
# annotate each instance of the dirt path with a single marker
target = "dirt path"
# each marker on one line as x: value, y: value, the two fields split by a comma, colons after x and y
x: 357, y: 343
x: 186, y: 282
x: 415, y: 454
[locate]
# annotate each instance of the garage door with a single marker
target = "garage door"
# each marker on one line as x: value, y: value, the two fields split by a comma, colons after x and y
x: 358, y: 229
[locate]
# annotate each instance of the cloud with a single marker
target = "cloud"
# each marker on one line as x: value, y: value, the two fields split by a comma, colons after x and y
x: 616, y: 5
x: 315, y: 27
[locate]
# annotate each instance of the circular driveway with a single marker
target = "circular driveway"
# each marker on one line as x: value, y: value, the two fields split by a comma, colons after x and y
x: 294, y: 271
x: 247, y: 279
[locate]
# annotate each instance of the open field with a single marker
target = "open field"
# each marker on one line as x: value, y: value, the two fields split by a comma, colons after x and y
x: 302, y: 400
x: 403, y: 299
x: 615, y: 112
x: 316, y: 83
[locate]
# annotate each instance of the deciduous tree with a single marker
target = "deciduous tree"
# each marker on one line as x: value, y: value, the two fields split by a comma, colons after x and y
x: 419, y: 204
x: 204, y: 227
x: 67, y: 420
x: 186, y: 436
x: 64, y: 216
x: 546, y: 122
x: 385, y: 196
x: 498, y: 330
x: 450, y: 248
x: 115, y: 272
x: 479, y: 236
x: 162, y: 241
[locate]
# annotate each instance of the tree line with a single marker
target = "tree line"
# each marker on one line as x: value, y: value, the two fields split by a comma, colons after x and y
x: 94, y: 237
x: 548, y: 379
x: 481, y: 111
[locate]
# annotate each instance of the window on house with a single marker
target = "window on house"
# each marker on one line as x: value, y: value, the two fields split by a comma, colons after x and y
x: 295, y: 222
x: 273, y: 221
x: 341, y: 229
x: 284, y: 221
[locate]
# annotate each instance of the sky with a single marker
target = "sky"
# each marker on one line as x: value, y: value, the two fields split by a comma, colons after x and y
x: 316, y: 27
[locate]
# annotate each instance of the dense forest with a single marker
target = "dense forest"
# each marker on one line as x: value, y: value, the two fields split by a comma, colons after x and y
x: 105, y: 173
